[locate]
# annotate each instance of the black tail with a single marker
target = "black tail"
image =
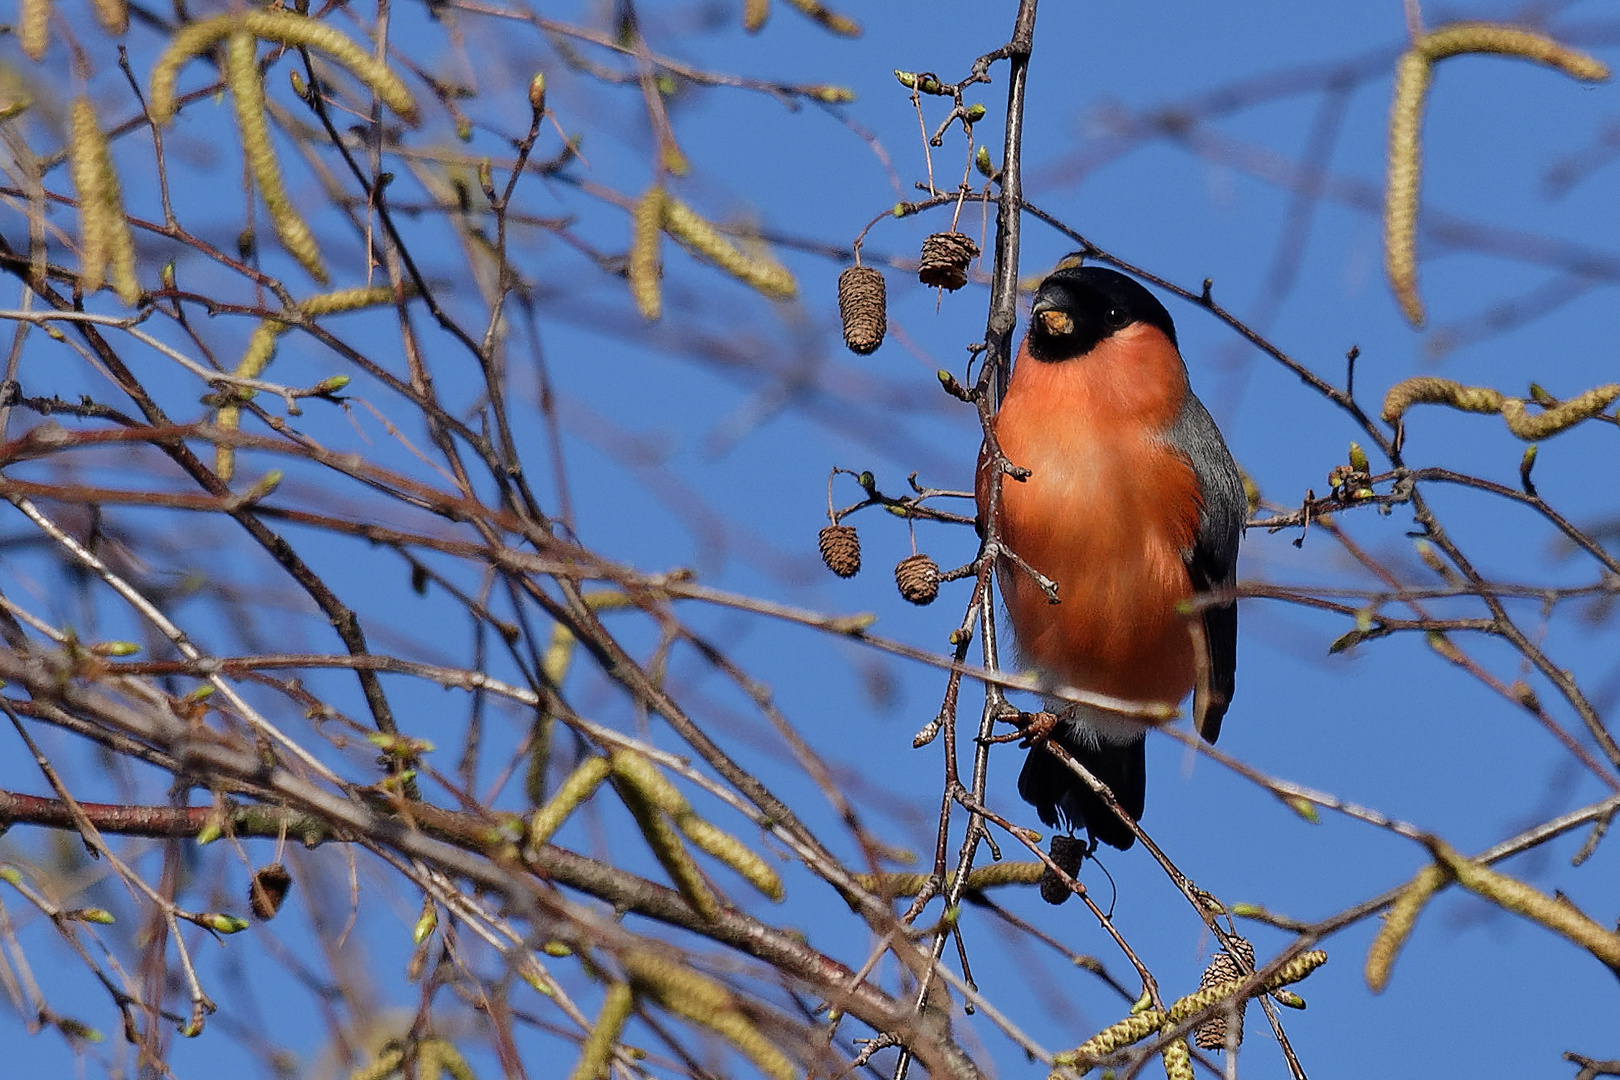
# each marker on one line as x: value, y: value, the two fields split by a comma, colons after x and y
x: 1057, y: 793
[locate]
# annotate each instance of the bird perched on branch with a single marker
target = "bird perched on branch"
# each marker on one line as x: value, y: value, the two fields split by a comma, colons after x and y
x: 1132, y: 507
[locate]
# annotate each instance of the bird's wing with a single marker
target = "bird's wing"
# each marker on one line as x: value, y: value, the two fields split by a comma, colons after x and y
x: 1212, y: 561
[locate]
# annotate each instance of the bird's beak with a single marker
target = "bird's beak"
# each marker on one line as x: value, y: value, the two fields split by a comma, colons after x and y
x: 1057, y: 323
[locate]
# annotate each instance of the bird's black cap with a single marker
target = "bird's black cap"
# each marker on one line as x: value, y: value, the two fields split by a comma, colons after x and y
x: 1077, y: 307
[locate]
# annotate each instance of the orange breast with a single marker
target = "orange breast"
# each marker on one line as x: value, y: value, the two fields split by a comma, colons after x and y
x: 1107, y: 512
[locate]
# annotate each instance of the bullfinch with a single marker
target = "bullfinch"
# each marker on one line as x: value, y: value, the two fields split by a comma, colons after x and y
x: 1133, y: 505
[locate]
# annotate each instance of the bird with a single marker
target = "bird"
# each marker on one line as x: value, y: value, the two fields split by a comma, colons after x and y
x: 1132, y: 506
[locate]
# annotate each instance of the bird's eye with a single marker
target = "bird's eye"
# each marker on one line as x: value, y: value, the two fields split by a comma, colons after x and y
x: 1116, y: 317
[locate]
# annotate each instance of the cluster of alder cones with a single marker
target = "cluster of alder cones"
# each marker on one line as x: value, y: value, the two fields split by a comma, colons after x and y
x: 862, y: 299
x: 862, y: 303
x: 917, y: 576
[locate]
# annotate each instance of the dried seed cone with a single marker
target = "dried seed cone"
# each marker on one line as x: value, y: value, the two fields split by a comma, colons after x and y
x: 918, y: 579
x: 840, y: 549
x: 945, y: 258
x: 267, y: 890
x: 861, y: 303
x: 1067, y: 852
x: 1223, y: 968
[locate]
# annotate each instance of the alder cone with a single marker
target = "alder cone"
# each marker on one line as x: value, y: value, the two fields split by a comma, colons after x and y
x: 1223, y: 967
x: 945, y: 258
x: 862, y: 301
x: 840, y: 549
x: 918, y: 579
x: 268, y: 889
x: 1067, y: 852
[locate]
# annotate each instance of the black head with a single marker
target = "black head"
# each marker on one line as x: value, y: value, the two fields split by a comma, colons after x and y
x: 1077, y: 307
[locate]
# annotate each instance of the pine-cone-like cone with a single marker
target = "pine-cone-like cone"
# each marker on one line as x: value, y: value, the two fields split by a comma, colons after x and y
x: 1211, y: 1034
x: 840, y: 549
x: 945, y: 258
x: 918, y: 579
x: 1067, y: 852
x: 268, y: 889
x: 861, y: 303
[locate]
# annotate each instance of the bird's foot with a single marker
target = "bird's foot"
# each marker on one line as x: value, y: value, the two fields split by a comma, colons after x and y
x: 1033, y: 728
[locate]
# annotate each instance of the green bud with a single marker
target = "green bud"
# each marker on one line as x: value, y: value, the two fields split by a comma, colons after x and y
x: 426, y: 924
x: 981, y: 161
x: 975, y: 113
x: 908, y: 79
x: 1358, y: 458
x: 537, y: 92
x: 224, y: 924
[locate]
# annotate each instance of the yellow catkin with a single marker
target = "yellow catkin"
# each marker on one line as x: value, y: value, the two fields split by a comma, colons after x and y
x: 597, y: 1051
x: 1401, y: 192
x: 90, y: 179
x: 1431, y: 390
x: 1177, y: 1060
x: 247, y: 91
x: 733, y: 852
x: 1483, y: 37
x: 286, y: 28
x: 1533, y: 427
x: 838, y: 24
x: 1398, y: 925
x: 764, y: 274
x: 755, y: 12
x: 34, y: 27
x: 671, y: 853
x: 579, y: 786
x: 645, y: 268
x: 983, y: 877
x: 113, y: 15
x: 386, y: 1064
x: 108, y: 246
x: 187, y: 42
x: 1413, y: 74
x: 1130, y: 1030
x: 347, y: 300
x: 1516, y: 896
x: 648, y: 779
x: 261, y: 349
x: 702, y: 1000
x: 1204, y: 997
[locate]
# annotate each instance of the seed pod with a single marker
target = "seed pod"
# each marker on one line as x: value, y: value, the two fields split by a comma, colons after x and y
x: 861, y: 297
x: 1223, y: 967
x: 945, y: 258
x: 267, y: 890
x: 1068, y: 853
x: 840, y: 549
x: 918, y: 579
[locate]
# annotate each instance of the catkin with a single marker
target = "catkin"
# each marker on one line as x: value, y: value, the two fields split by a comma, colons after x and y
x: 1413, y: 74
x: 1515, y: 895
x: 1130, y: 1030
x: 667, y: 846
x: 702, y: 1000
x: 286, y: 28
x: 34, y: 28
x: 1536, y: 426
x: 113, y: 15
x: 1431, y: 390
x: 597, y: 1051
x: 247, y: 91
x: 579, y: 786
x: 1483, y: 37
x: 1412, y: 77
x: 187, y: 42
x: 90, y: 181
x: 759, y: 272
x: 1398, y: 925
x: 645, y: 267
x: 733, y: 852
